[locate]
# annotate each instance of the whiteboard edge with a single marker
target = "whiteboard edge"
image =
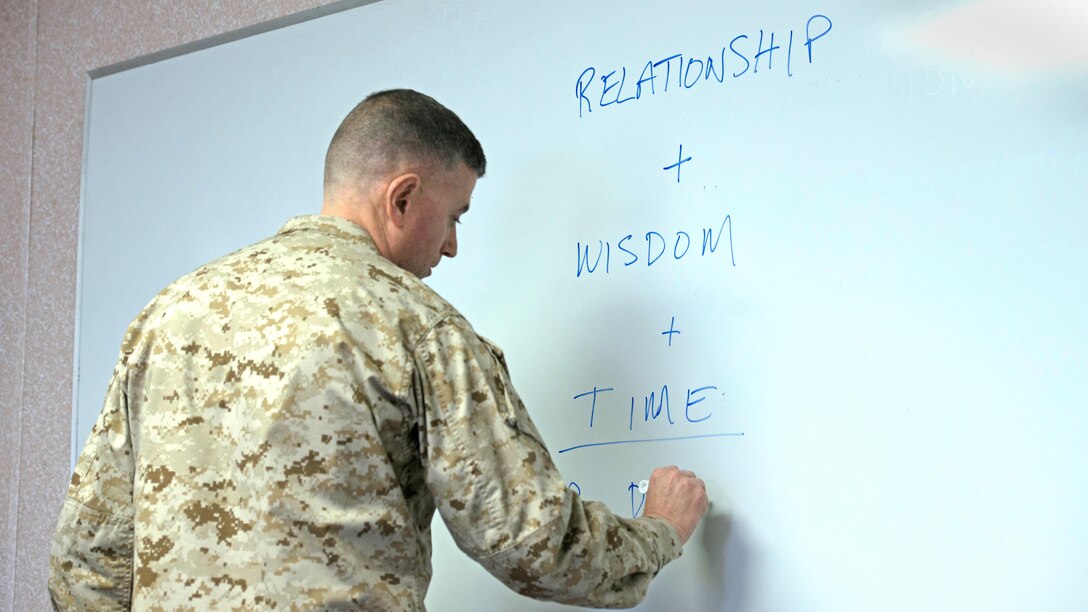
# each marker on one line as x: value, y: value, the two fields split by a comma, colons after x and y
x: 228, y: 37
x: 88, y: 84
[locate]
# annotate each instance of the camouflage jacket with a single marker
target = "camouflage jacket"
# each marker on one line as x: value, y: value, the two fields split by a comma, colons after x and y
x: 282, y: 424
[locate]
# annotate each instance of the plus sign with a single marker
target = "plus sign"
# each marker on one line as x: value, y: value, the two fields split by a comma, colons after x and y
x: 680, y: 160
x: 672, y: 330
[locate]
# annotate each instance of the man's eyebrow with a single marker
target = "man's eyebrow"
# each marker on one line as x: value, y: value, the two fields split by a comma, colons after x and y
x: 464, y: 209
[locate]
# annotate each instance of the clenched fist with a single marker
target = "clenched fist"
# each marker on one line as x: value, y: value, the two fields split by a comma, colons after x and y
x: 678, y: 497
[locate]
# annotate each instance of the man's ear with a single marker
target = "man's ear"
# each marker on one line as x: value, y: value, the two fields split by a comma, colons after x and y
x: 399, y: 195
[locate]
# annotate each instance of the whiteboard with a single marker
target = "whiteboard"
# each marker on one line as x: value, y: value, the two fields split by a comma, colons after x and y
x: 855, y: 267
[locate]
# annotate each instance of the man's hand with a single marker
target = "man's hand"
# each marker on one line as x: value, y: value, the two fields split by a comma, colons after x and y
x: 678, y: 497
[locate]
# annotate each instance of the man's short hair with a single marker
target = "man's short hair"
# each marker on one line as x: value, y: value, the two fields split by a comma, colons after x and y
x: 392, y: 127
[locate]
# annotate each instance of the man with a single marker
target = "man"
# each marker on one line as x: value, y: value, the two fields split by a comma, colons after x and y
x: 282, y: 423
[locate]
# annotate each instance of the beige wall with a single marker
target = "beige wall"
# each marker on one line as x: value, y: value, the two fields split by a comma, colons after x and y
x: 46, y: 49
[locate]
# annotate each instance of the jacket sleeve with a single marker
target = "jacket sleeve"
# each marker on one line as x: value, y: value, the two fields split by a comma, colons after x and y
x: 90, y: 565
x: 503, y: 499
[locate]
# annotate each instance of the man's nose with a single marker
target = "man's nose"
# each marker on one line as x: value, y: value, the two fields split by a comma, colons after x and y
x: 449, y: 248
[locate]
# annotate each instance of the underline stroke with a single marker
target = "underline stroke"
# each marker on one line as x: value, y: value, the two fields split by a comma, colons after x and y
x: 717, y: 435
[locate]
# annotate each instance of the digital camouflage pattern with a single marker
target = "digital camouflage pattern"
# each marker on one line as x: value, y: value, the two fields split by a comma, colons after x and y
x: 279, y: 430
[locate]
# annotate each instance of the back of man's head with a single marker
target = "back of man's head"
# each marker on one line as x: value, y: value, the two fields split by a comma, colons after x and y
x: 396, y: 127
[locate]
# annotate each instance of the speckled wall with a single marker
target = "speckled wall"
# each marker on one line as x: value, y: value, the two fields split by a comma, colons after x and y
x: 47, y: 48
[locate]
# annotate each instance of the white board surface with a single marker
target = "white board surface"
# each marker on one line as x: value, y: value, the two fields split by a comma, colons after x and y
x: 872, y: 256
